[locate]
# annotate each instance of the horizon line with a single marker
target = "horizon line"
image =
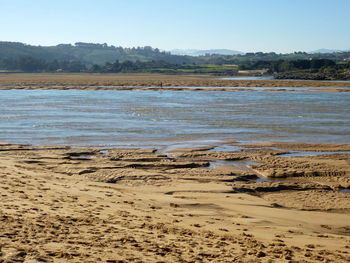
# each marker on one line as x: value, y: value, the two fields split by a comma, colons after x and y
x: 181, y: 49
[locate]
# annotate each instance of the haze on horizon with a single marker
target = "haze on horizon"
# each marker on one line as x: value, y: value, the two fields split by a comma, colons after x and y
x: 248, y: 26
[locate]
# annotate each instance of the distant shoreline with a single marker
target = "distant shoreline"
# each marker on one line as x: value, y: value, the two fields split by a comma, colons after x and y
x: 86, y: 81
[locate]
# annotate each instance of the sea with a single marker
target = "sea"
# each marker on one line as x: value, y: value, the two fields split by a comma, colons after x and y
x: 146, y: 118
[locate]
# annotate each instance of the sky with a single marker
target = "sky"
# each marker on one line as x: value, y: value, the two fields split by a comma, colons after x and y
x: 281, y: 26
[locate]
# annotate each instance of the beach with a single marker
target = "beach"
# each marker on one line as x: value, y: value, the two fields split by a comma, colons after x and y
x: 69, y: 204
x: 145, y: 81
x: 174, y: 131
x: 159, y: 168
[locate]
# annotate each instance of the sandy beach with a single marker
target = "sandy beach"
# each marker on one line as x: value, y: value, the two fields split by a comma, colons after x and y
x: 221, y: 202
x: 174, y: 131
x: 147, y: 81
x: 83, y: 204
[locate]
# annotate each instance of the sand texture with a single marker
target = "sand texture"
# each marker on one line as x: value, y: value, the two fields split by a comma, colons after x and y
x: 82, y: 204
x: 153, y: 82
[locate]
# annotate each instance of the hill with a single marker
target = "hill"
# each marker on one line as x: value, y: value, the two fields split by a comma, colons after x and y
x: 324, y: 50
x: 198, y: 52
x: 87, y: 53
x: 102, y: 58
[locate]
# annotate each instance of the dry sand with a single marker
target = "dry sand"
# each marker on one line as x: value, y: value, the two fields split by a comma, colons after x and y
x: 150, y: 82
x: 62, y: 204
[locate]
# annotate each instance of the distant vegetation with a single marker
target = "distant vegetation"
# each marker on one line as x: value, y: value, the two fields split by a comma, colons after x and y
x: 164, y: 67
x: 317, y: 69
x: 102, y: 58
x: 31, y: 64
x: 87, y: 53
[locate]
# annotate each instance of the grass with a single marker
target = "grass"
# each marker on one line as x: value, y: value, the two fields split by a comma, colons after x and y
x: 228, y: 69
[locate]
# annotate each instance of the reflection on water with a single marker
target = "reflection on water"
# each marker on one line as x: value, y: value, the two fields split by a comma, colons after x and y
x: 160, y: 117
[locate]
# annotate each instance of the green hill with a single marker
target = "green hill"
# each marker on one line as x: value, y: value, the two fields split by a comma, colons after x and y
x: 90, y: 57
x: 87, y: 53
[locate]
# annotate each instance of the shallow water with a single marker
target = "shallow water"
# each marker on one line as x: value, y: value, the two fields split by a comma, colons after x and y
x: 131, y: 117
x: 273, y: 78
x: 241, y: 164
x: 305, y: 154
x: 250, y: 78
x: 226, y: 148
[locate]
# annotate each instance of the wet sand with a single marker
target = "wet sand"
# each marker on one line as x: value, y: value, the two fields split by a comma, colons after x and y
x: 149, y: 82
x: 83, y: 204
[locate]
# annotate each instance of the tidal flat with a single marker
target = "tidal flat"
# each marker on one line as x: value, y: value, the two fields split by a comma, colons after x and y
x: 98, y: 81
x: 188, y: 175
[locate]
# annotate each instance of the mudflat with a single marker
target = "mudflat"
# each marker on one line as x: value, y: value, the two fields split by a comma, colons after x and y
x: 146, y: 81
x: 257, y: 204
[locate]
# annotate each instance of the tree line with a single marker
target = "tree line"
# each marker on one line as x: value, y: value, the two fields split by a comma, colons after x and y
x: 301, y: 68
x: 291, y: 65
x: 94, y: 53
x: 31, y: 64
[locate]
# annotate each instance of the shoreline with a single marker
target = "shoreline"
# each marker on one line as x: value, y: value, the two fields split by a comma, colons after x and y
x: 209, y: 200
x: 139, y: 81
x: 87, y: 204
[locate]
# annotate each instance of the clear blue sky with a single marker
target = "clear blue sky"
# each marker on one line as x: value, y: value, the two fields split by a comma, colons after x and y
x: 246, y: 25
